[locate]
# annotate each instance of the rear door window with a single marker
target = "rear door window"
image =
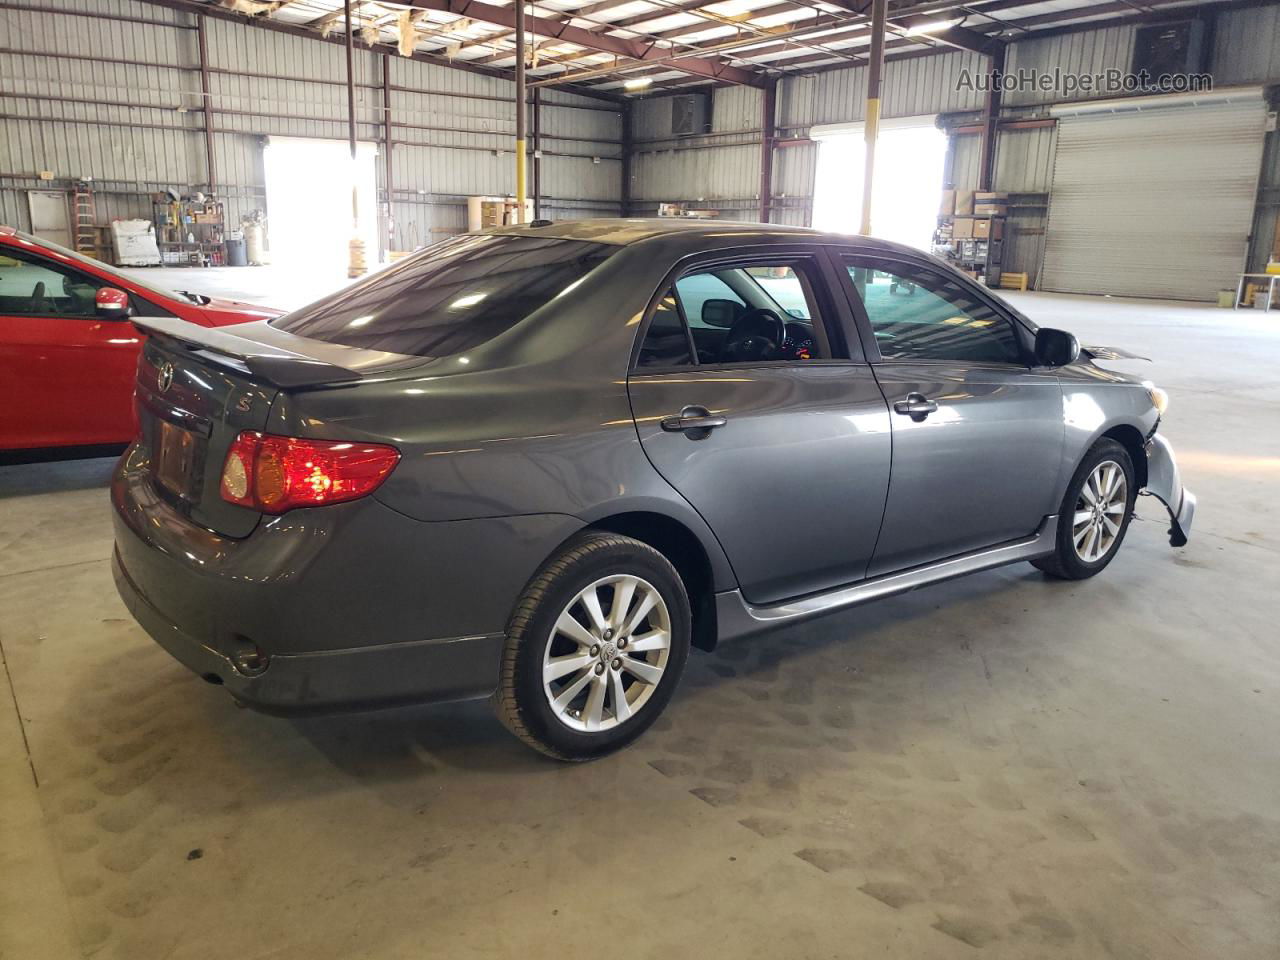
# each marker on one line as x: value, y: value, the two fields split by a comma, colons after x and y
x: 449, y: 298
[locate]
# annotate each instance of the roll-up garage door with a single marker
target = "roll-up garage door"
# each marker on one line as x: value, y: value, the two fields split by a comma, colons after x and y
x: 1153, y: 200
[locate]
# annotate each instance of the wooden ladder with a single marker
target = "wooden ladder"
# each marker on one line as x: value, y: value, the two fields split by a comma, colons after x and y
x: 86, y: 230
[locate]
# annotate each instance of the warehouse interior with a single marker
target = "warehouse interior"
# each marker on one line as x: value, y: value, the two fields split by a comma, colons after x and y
x: 1000, y: 766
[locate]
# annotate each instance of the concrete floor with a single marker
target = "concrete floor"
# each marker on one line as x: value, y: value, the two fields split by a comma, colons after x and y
x: 999, y: 766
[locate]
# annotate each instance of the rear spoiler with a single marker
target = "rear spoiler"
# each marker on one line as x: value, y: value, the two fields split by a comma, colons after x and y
x: 273, y: 364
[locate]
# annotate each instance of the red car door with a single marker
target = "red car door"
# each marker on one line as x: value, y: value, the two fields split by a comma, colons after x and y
x: 66, y: 374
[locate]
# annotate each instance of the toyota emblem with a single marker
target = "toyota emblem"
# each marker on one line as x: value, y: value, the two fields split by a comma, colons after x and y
x: 164, y: 378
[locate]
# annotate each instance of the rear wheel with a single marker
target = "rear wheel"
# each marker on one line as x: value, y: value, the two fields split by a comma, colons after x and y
x: 1094, y: 515
x: 594, y: 649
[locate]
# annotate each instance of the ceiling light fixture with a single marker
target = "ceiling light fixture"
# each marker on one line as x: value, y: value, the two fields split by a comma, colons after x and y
x: 639, y: 83
x: 932, y: 26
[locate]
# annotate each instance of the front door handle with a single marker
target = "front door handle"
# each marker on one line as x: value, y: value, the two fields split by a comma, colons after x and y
x: 694, y: 422
x: 916, y: 406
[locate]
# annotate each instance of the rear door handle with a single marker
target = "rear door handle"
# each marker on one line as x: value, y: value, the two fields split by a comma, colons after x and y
x: 694, y: 421
x: 916, y: 406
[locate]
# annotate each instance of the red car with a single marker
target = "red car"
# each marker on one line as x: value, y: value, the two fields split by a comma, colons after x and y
x: 68, y: 353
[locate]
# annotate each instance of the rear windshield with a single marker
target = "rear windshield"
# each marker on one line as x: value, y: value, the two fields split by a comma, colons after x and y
x: 449, y: 298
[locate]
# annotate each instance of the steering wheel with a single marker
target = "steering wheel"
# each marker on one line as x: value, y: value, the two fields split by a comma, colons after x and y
x: 756, y: 335
x: 39, y: 302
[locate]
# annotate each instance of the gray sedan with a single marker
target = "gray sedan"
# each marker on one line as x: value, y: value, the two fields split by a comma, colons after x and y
x: 539, y: 464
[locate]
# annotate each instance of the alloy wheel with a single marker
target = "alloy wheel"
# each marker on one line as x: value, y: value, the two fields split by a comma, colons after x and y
x: 1099, y: 513
x: 607, y: 653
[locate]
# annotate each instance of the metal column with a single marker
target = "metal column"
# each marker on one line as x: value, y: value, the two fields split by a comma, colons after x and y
x: 386, y: 149
x: 537, y: 153
x: 768, y: 133
x: 627, y: 149
x: 211, y: 169
x: 990, y: 122
x: 355, y: 261
x: 521, y: 112
x: 875, y: 66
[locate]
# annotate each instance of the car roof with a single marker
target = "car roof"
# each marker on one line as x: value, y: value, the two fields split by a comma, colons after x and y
x: 624, y: 232
x: 680, y: 236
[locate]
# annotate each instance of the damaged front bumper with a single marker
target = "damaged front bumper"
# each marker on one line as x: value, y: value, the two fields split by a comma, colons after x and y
x: 1165, y: 484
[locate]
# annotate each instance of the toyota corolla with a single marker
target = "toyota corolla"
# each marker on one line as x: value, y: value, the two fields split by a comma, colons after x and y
x: 540, y: 464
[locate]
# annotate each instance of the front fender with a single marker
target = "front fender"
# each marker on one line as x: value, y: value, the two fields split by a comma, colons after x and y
x: 1164, y: 482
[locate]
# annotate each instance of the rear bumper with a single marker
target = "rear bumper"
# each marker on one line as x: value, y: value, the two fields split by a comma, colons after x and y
x: 354, y: 605
x: 458, y: 668
x: 1164, y: 482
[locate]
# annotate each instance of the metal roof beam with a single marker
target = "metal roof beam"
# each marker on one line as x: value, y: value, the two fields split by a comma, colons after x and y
x: 222, y: 13
x: 635, y: 50
x: 962, y: 38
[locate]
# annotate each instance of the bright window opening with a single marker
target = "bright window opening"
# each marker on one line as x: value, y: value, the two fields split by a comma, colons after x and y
x: 910, y: 162
x: 309, y: 203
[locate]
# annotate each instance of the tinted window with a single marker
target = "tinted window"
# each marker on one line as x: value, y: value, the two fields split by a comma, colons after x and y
x: 666, y: 344
x: 783, y: 286
x: 921, y: 314
x: 696, y: 289
x: 33, y: 286
x: 451, y: 297
x: 741, y: 314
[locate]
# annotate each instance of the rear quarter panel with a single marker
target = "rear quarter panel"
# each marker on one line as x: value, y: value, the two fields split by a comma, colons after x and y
x: 537, y: 421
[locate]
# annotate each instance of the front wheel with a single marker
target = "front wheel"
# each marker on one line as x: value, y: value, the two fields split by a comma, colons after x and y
x: 595, y: 648
x: 1094, y: 515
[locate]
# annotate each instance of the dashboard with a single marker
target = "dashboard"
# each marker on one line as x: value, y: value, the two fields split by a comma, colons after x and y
x: 798, y: 343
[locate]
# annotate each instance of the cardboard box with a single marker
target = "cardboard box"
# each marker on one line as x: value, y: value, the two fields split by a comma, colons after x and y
x: 964, y: 203
x: 986, y: 196
x: 948, y: 205
x: 988, y: 228
x: 990, y: 209
x: 962, y: 227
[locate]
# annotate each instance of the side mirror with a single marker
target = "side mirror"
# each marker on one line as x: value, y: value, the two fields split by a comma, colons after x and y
x: 719, y: 313
x: 1056, y: 348
x: 112, y: 304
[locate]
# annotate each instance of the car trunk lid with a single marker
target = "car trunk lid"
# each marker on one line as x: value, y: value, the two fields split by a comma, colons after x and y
x: 198, y: 388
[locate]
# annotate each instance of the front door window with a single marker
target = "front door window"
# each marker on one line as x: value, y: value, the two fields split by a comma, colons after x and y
x: 917, y: 313
x: 763, y: 312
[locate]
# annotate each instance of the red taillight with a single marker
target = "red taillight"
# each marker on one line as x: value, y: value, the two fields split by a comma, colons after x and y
x: 274, y: 474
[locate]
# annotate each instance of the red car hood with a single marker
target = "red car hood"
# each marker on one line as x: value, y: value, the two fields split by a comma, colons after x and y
x: 222, y: 313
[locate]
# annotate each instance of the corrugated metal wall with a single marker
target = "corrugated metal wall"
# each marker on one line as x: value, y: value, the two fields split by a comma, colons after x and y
x: 454, y: 129
x: 1092, y: 52
x: 719, y: 171
x: 723, y: 171
x: 911, y: 88
x: 1247, y: 45
x: 123, y: 100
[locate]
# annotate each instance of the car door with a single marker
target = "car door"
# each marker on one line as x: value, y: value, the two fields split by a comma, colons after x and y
x: 782, y: 447
x: 977, y: 429
x: 66, y: 374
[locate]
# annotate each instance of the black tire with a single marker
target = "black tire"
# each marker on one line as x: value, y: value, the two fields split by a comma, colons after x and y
x: 521, y: 700
x: 1066, y: 562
